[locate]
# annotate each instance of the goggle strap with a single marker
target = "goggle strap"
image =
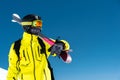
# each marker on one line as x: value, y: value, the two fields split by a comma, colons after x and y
x: 26, y: 23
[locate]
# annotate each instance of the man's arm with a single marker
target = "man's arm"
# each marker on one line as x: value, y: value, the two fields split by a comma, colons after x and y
x: 13, y: 64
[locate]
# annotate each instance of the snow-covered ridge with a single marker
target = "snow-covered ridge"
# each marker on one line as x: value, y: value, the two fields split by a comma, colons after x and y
x: 3, y: 74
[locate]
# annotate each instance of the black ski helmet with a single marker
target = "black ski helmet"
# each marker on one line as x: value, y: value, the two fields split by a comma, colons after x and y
x: 31, y: 17
x: 28, y: 27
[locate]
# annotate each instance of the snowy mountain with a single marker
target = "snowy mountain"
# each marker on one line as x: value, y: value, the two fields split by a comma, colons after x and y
x: 3, y: 74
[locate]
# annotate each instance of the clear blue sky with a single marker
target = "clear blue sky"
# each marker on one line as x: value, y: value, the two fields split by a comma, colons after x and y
x: 92, y: 27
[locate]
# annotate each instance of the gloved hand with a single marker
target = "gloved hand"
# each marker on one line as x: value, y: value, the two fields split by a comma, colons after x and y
x: 57, y: 48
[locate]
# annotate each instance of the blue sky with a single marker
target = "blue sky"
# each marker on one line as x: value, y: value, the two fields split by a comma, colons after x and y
x: 92, y: 27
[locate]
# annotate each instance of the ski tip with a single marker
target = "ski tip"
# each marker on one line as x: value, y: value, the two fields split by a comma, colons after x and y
x: 16, y: 18
x: 70, y: 50
x: 16, y: 15
x: 13, y: 20
x: 68, y: 60
x: 66, y: 57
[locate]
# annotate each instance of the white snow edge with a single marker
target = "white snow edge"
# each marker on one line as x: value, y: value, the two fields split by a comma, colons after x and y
x: 3, y: 74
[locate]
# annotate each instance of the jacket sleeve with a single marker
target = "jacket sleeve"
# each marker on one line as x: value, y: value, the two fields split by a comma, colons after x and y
x: 67, y: 46
x: 12, y: 69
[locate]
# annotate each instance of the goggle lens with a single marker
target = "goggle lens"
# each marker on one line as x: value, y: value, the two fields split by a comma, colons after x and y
x: 37, y: 23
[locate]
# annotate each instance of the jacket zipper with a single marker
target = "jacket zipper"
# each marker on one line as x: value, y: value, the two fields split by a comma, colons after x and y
x: 24, y: 55
x: 33, y: 58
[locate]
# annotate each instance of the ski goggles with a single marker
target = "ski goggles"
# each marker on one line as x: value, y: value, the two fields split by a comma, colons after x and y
x: 35, y: 23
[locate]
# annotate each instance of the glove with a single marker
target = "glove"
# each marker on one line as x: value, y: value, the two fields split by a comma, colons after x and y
x: 57, y: 48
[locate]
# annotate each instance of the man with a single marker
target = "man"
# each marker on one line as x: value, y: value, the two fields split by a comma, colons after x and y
x: 28, y: 56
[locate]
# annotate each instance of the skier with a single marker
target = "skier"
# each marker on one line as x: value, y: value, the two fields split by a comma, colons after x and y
x: 28, y: 56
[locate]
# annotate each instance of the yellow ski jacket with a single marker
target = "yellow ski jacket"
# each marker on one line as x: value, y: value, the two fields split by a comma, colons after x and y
x: 31, y: 64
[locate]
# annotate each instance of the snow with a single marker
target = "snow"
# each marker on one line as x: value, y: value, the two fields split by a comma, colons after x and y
x: 3, y: 74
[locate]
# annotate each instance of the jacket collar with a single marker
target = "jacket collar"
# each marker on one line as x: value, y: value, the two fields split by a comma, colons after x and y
x: 29, y: 37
